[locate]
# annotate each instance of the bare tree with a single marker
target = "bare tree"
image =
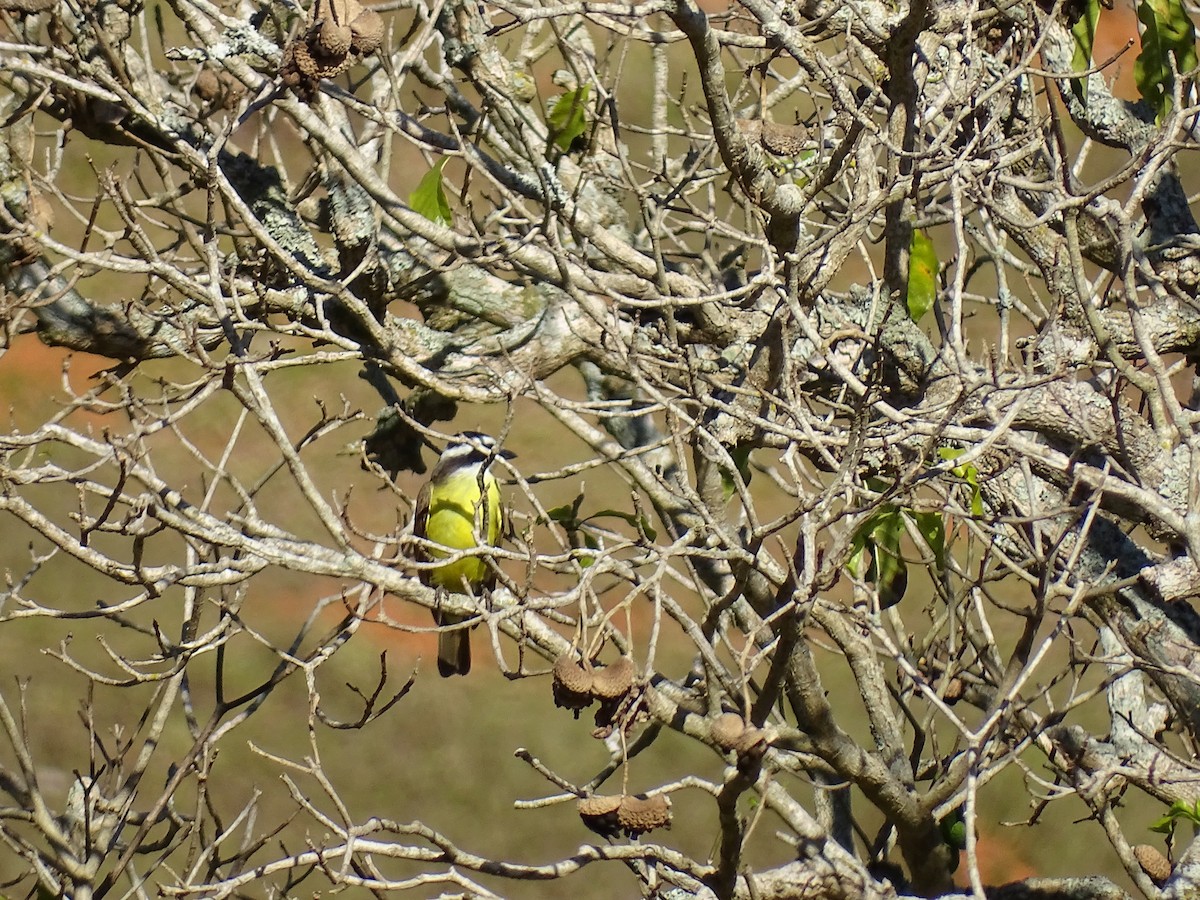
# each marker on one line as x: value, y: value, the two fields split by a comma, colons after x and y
x: 883, y: 313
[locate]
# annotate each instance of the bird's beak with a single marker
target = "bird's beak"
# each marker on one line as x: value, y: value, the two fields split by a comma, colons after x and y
x: 506, y: 454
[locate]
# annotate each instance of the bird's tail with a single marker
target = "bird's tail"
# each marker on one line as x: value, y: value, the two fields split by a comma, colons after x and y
x: 454, y: 653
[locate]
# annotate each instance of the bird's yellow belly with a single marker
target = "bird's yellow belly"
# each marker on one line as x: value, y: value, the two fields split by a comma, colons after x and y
x: 454, y: 531
x: 456, y: 517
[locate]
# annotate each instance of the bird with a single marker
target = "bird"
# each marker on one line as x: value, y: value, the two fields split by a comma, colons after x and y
x: 459, y: 508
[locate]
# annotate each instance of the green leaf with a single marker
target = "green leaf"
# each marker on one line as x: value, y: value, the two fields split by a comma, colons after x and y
x: 429, y: 199
x: 591, y: 543
x: 567, y: 516
x: 922, y: 275
x: 565, y: 114
x: 932, y: 526
x: 564, y: 515
x: 1165, y: 825
x: 1084, y: 32
x: 972, y: 475
x: 880, y: 536
x: 893, y: 579
x: 890, y: 569
x: 856, y: 563
x: 967, y: 473
x: 862, y: 545
x: 954, y: 830
x: 741, y: 459
x: 1167, y: 32
x: 638, y: 522
x: 1180, y: 809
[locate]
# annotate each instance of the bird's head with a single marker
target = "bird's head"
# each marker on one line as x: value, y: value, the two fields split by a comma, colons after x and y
x: 471, y: 447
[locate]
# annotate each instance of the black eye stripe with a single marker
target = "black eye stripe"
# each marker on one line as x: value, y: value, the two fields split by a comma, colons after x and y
x: 475, y: 438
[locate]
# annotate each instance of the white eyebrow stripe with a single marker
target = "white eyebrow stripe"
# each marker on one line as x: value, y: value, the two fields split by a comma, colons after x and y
x: 457, y: 454
x: 484, y: 441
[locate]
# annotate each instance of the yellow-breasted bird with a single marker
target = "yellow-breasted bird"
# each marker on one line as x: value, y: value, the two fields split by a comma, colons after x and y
x: 459, y: 508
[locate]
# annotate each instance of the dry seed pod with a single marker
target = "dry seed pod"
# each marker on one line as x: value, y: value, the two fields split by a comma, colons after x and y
x: 334, y: 37
x: 219, y: 90
x: 366, y: 33
x: 955, y: 690
x: 572, y: 676
x: 727, y: 729
x: 615, y: 680
x: 776, y: 139
x: 338, y: 34
x: 637, y: 815
x: 752, y: 742
x: 1153, y: 863
x: 572, y: 685
x: 599, y: 814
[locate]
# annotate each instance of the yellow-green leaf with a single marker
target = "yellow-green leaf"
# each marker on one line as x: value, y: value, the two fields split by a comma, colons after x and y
x: 592, y: 544
x: 889, y: 568
x: 1165, y: 825
x: 880, y: 536
x: 954, y: 829
x: 566, y: 116
x: 429, y: 199
x: 922, y: 275
x: 967, y: 473
x: 932, y: 526
x: 639, y: 522
x: 1167, y: 32
x: 1083, y: 30
x: 1180, y: 809
x: 564, y: 515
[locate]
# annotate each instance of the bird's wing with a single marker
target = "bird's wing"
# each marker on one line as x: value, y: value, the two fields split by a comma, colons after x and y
x: 502, y: 533
x: 420, y: 522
